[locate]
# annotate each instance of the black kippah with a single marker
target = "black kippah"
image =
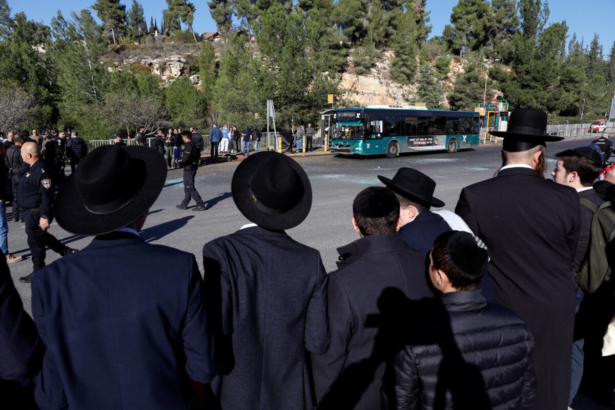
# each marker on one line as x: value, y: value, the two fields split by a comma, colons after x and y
x: 375, y: 202
x: 468, y: 253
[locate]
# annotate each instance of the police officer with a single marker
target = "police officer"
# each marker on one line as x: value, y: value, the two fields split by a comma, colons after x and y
x: 605, y: 145
x: 197, y: 140
x: 190, y: 162
x: 36, y: 197
x: 16, y: 168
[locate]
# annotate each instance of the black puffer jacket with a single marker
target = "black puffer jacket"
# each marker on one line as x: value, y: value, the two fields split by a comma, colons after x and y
x: 464, y: 354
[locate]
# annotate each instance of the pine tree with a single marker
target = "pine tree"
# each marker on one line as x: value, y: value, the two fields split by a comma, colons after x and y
x: 136, y: 20
x: 207, y: 70
x: 430, y: 91
x: 151, y: 26
x: 534, y: 15
x: 403, y: 65
x: 222, y: 13
x: 469, y: 88
x: 610, y: 69
x: 501, y: 25
x: 184, y: 10
x: 468, y: 20
x: 6, y: 22
x: 113, y: 15
x: 594, y: 57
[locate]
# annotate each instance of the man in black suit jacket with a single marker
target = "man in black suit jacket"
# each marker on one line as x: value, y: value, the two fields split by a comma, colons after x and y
x: 21, y: 349
x: 123, y: 321
x: 370, y: 300
x: 267, y: 292
x: 531, y: 227
x: 578, y: 168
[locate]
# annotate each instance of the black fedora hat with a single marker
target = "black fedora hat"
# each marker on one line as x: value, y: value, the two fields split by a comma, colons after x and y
x: 111, y: 188
x: 527, y: 128
x: 414, y: 185
x: 272, y: 190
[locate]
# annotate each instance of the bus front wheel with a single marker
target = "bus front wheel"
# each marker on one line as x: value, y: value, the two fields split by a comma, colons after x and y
x: 392, y: 150
x: 452, y: 146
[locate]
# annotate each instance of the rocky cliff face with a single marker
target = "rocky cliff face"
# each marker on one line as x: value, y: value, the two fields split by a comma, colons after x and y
x: 171, y: 61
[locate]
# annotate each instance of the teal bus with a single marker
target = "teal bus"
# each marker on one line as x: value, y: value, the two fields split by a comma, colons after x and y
x: 391, y: 130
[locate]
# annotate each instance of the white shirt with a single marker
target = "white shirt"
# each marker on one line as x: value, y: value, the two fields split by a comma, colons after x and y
x: 516, y: 166
x: 129, y: 230
x: 585, y: 189
x: 246, y: 226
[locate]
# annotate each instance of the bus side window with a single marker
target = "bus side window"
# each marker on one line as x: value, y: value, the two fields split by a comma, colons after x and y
x: 438, y: 126
x: 466, y: 125
x: 453, y: 126
x: 476, y: 125
x: 389, y: 127
x: 375, y: 129
x: 423, y: 125
x: 409, y: 126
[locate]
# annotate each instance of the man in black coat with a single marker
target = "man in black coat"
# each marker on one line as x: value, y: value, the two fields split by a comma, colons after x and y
x: 369, y: 298
x: 190, y: 163
x: 17, y: 167
x: 605, y: 145
x: 197, y: 140
x: 21, y: 349
x: 124, y: 320
x: 578, y: 168
x: 266, y: 292
x: 419, y: 226
x: 463, y: 353
x: 531, y: 227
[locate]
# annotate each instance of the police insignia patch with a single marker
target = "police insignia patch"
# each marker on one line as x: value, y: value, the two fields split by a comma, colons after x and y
x: 46, y: 183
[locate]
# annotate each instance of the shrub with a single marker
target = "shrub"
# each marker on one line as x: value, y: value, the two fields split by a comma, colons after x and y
x: 363, y: 58
x: 442, y: 66
x: 183, y: 37
x: 140, y: 69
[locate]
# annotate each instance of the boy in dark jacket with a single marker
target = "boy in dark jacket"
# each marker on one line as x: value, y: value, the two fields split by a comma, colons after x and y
x: 369, y: 295
x: 463, y: 353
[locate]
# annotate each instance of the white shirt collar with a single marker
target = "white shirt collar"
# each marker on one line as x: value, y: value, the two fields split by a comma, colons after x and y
x: 128, y: 230
x: 515, y: 166
x: 585, y: 189
x: 246, y: 226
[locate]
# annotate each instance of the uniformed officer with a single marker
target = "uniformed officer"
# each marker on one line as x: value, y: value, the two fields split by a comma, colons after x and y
x: 16, y: 168
x: 190, y: 162
x: 36, y: 197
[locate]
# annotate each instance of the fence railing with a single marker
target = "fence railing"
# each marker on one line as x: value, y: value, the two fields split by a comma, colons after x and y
x: 578, y: 130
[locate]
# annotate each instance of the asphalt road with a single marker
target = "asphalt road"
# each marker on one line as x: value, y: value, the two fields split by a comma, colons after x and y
x: 336, y: 180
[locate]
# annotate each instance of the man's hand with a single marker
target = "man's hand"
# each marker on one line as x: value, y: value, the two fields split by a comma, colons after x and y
x: 43, y: 223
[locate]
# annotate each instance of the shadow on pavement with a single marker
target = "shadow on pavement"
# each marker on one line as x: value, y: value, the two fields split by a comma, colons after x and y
x: 158, y: 232
x: 212, y: 202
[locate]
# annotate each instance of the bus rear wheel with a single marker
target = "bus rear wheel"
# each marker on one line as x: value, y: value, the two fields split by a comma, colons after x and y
x: 452, y: 146
x: 392, y: 150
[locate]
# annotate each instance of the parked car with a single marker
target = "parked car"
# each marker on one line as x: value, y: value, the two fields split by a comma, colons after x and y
x: 598, y: 126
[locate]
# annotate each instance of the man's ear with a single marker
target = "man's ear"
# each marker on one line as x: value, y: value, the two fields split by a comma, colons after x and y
x: 537, y: 155
x: 355, y: 226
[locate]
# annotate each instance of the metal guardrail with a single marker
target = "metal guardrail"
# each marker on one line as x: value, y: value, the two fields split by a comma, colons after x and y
x: 578, y: 130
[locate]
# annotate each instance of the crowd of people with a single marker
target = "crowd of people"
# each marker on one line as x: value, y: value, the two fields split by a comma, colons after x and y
x: 481, y: 308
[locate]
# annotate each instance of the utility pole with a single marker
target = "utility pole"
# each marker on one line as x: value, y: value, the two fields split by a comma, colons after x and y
x: 486, y: 78
x: 583, y: 109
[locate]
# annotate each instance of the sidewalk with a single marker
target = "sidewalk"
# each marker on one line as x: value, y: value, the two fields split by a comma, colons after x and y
x: 239, y: 157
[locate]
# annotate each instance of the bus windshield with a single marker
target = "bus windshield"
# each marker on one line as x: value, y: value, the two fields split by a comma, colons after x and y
x: 348, y: 130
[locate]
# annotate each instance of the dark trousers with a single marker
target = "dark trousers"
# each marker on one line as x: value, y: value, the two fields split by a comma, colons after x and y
x: 39, y: 239
x: 189, y: 189
x: 73, y: 164
x: 214, y: 150
x: 291, y: 142
x: 17, y: 210
x: 308, y: 144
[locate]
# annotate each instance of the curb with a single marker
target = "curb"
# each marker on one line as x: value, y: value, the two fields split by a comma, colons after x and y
x: 207, y: 160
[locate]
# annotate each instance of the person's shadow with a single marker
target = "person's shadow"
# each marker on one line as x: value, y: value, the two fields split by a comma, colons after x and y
x: 214, y: 201
x: 458, y: 382
x: 158, y: 232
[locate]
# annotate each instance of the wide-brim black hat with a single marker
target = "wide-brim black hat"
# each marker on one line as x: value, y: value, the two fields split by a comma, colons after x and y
x: 527, y: 128
x: 111, y: 188
x: 414, y: 185
x: 272, y: 191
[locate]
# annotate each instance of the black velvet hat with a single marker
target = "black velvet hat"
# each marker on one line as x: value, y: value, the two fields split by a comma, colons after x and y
x: 527, y: 128
x: 111, y: 188
x: 375, y: 202
x: 272, y: 190
x: 585, y: 152
x: 414, y: 185
x: 467, y: 254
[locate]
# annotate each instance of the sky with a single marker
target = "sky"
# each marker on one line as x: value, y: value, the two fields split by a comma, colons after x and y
x: 584, y: 18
